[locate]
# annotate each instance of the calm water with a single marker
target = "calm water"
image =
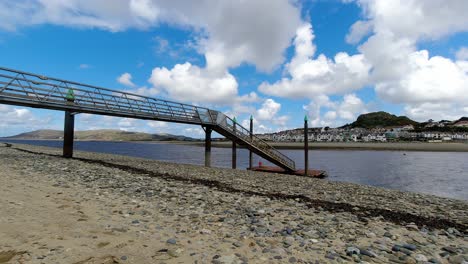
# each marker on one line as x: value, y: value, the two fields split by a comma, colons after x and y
x: 439, y: 173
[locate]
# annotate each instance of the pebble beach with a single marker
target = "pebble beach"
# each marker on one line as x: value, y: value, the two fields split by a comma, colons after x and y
x: 102, y: 208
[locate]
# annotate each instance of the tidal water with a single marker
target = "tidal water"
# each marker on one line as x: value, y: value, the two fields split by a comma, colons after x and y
x: 439, y: 173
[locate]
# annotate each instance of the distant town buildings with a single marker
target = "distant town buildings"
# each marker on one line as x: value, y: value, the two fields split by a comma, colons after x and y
x: 404, y: 133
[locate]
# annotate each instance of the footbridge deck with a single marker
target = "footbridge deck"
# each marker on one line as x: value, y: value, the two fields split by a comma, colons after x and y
x: 33, y: 90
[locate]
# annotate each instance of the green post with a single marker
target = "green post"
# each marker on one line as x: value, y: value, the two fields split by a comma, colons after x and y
x: 70, y: 95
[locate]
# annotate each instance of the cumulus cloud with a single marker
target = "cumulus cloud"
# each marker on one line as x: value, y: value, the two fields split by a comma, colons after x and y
x: 336, y: 112
x: 269, y: 112
x: 309, y: 77
x: 414, y: 19
x: 126, y: 79
x: 187, y: 82
x: 403, y: 74
x: 235, y: 34
x: 14, y: 118
x: 358, y: 30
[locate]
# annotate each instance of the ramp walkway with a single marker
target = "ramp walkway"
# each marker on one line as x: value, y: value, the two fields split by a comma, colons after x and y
x: 33, y: 90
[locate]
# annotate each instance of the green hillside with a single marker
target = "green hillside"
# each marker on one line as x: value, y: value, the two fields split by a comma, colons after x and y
x: 381, y: 119
x: 102, y: 135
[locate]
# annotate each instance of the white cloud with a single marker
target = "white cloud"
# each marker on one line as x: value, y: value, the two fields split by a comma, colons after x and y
x: 436, y: 111
x: 269, y: 113
x: 462, y: 54
x: 14, y: 118
x: 158, y: 124
x: 145, y: 91
x: 359, y: 30
x: 233, y: 31
x: 126, y: 79
x: 187, y: 82
x: 268, y: 110
x: 84, y: 66
x: 403, y: 74
x: 427, y: 79
x: 127, y: 124
x: 416, y: 19
x: 162, y: 44
x: 236, y: 34
x: 310, y: 77
x: 336, y: 112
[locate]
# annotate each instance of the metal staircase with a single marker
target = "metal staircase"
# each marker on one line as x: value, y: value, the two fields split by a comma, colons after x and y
x: 32, y: 90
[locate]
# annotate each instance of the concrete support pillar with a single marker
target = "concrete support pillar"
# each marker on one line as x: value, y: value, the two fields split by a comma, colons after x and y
x: 68, y: 134
x: 306, y: 146
x: 208, y: 131
x: 251, y: 138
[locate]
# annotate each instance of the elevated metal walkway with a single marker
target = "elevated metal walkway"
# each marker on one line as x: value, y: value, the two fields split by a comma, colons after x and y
x: 33, y: 90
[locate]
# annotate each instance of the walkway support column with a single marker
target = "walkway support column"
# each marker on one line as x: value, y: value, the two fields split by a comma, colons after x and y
x: 234, y: 147
x: 208, y: 131
x: 251, y: 138
x: 306, y: 147
x: 68, y: 134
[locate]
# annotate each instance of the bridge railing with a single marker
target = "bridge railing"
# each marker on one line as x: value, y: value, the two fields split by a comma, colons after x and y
x: 18, y: 87
x: 55, y: 92
x: 239, y: 131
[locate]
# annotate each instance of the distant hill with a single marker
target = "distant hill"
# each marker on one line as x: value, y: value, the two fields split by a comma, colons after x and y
x: 380, y: 119
x: 103, y: 134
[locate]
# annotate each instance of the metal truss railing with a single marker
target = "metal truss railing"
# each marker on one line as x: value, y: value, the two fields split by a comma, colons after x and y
x: 38, y: 90
x: 28, y: 89
x: 243, y: 134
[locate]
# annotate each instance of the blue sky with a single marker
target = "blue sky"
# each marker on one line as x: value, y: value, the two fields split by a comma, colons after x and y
x: 275, y: 60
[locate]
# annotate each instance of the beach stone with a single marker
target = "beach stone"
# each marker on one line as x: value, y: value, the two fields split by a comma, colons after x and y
x: 368, y: 253
x: 171, y: 241
x: 205, y: 231
x: 230, y: 259
x: 396, y: 248
x: 356, y: 258
x: 352, y: 251
x: 410, y: 247
x: 450, y: 249
x: 330, y: 256
x: 238, y: 244
x: 434, y: 260
x: 444, y: 254
x: 410, y: 260
x: 420, y: 258
x: 412, y: 227
x: 175, y: 252
x: 460, y: 259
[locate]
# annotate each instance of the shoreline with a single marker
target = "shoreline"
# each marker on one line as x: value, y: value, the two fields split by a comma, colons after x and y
x: 103, y: 207
x: 393, y: 146
x: 400, y: 146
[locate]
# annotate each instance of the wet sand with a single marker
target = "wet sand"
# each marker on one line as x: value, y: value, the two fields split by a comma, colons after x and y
x: 398, y: 146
